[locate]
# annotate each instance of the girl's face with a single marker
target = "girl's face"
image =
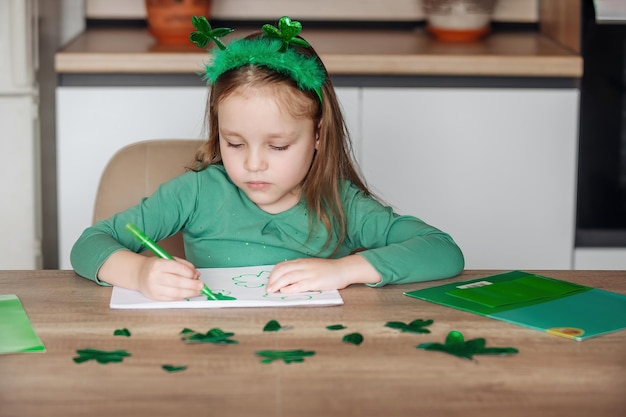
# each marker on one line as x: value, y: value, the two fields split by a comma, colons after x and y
x: 265, y: 150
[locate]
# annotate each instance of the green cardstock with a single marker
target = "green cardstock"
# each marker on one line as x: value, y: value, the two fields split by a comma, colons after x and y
x: 543, y: 303
x: 18, y: 335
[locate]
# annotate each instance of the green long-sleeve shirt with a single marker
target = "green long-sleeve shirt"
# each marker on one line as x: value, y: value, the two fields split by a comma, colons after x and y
x: 222, y: 227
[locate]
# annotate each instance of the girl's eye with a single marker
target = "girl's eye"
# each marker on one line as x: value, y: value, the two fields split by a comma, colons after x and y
x: 234, y: 145
x: 280, y: 148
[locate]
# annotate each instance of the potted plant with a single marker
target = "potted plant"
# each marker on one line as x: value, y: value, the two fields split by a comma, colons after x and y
x: 169, y: 21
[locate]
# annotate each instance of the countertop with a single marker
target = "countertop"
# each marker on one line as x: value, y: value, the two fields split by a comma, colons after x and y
x: 349, y: 51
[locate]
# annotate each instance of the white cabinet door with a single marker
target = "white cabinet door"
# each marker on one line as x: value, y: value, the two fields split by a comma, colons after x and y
x: 20, y: 246
x: 495, y: 168
x: 94, y: 122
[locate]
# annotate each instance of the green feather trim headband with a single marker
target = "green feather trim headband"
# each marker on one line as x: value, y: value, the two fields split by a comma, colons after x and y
x: 271, y: 50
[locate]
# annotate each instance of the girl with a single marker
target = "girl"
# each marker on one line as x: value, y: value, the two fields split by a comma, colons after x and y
x: 274, y: 184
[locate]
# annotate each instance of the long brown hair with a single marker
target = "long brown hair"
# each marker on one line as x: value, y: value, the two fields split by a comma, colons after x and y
x: 333, y: 160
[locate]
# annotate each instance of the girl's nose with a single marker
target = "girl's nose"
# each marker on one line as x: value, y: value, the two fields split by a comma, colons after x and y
x: 255, y: 161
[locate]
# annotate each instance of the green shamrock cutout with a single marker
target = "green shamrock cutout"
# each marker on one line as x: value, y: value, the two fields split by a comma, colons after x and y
x: 122, y: 332
x: 416, y: 326
x: 336, y: 327
x: 100, y: 356
x: 173, y: 368
x: 288, y: 356
x: 273, y: 326
x: 457, y: 346
x: 215, y: 335
x: 287, y: 31
x: 206, y: 34
x: 354, y: 338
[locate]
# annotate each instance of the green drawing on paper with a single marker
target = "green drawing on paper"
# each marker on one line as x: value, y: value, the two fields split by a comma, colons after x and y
x: 289, y: 297
x: 100, y: 356
x: 232, y: 287
x: 288, y: 356
x: 354, y: 338
x: 122, y: 332
x: 273, y: 326
x: 173, y: 368
x: 456, y: 345
x: 252, y: 280
x: 215, y: 335
x: 416, y: 326
x: 336, y: 327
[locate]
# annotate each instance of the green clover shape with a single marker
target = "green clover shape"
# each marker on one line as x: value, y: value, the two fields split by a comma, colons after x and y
x: 288, y: 356
x: 122, y: 332
x: 206, y: 34
x: 215, y: 335
x: 287, y: 31
x: 456, y: 345
x: 100, y: 356
x: 354, y: 338
x: 173, y: 368
x: 416, y: 326
x: 273, y: 326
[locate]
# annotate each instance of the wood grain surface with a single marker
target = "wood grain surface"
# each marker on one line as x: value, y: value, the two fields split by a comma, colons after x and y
x: 385, y: 376
x: 354, y: 51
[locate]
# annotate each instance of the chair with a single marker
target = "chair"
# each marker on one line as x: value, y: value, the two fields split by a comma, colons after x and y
x: 136, y: 171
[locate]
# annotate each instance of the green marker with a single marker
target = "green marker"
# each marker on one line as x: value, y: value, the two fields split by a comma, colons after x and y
x: 160, y: 252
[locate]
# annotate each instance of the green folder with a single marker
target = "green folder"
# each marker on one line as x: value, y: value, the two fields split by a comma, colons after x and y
x: 558, y: 307
x: 16, y: 332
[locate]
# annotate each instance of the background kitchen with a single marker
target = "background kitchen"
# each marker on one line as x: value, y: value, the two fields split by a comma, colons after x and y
x: 480, y: 138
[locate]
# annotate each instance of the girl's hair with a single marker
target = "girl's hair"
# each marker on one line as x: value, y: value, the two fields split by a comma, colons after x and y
x: 333, y: 160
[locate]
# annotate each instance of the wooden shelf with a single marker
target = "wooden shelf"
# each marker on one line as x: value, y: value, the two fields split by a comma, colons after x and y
x: 358, y: 52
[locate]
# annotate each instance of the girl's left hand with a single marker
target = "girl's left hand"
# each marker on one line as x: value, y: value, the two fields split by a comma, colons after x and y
x: 317, y: 274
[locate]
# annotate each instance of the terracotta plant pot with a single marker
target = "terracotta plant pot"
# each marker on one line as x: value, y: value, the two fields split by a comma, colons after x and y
x: 169, y: 21
x: 458, y: 20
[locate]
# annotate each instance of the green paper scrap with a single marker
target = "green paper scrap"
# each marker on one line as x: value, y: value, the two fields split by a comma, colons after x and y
x: 221, y: 297
x: 354, y: 338
x: 272, y: 326
x: 288, y: 356
x: 336, y: 327
x: 122, y: 332
x: 100, y: 356
x: 173, y: 368
x: 416, y: 326
x: 215, y: 335
x: 456, y: 345
x: 16, y: 330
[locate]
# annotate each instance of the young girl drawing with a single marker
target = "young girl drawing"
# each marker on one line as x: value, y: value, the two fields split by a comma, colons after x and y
x: 274, y: 185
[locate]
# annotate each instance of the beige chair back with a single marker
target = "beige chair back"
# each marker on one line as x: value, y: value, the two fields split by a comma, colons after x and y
x: 136, y: 171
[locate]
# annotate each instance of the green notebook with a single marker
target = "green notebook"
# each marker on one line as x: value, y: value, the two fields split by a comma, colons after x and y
x: 558, y: 307
x: 16, y: 332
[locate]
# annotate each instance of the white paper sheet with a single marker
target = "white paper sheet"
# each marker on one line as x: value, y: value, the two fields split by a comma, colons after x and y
x: 246, y: 285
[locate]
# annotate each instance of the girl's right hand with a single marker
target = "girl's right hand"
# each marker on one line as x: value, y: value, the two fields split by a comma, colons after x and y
x: 167, y: 280
x: 156, y: 278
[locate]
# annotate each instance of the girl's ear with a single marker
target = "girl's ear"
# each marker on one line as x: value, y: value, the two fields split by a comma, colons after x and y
x: 317, y: 134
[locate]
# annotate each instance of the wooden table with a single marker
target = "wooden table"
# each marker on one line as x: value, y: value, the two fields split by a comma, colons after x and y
x: 384, y: 376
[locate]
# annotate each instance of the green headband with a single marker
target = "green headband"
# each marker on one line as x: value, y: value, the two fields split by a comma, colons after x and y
x: 271, y: 50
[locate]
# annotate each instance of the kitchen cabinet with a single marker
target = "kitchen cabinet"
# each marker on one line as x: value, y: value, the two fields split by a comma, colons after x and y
x: 93, y: 122
x: 496, y: 168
